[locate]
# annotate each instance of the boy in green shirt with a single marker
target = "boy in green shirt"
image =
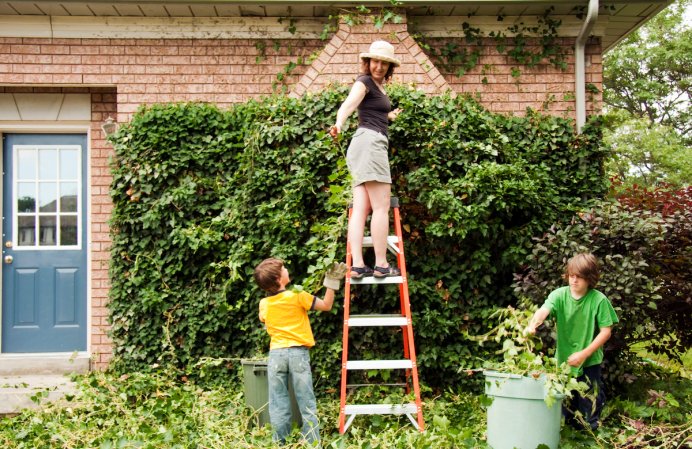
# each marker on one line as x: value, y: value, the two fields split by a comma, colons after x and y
x: 584, y: 318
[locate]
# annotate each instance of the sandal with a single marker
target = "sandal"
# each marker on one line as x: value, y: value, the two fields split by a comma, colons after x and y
x: 389, y: 271
x: 359, y: 272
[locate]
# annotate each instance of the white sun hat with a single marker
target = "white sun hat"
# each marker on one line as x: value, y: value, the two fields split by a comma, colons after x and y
x: 382, y: 51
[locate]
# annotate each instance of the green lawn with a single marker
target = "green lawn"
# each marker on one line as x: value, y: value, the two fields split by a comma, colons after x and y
x: 154, y: 411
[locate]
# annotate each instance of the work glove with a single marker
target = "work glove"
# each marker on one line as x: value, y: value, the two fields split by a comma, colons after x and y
x: 334, y: 275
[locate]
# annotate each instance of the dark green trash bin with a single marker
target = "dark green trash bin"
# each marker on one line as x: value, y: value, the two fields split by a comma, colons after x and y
x: 256, y: 389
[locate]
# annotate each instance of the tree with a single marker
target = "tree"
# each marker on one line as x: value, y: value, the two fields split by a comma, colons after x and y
x: 648, y: 98
x: 646, y: 154
x: 650, y: 73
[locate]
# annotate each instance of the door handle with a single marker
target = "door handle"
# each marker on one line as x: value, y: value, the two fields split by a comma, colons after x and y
x: 9, y: 259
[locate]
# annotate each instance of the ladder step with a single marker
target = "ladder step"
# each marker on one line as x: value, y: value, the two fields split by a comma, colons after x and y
x: 377, y: 320
x: 376, y: 280
x: 392, y: 243
x: 380, y: 409
x: 391, y: 384
x: 379, y: 364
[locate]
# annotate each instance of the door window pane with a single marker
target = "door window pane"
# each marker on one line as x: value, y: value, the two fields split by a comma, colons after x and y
x: 26, y: 232
x: 69, y: 164
x: 26, y: 164
x: 47, y: 230
x: 48, y: 196
x: 68, y: 230
x: 26, y: 197
x: 48, y: 164
x: 68, y: 197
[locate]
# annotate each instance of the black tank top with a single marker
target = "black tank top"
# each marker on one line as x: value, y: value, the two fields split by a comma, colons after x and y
x: 373, y: 110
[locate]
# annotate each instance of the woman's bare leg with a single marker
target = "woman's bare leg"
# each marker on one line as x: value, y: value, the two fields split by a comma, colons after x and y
x: 379, y: 194
x: 356, y: 225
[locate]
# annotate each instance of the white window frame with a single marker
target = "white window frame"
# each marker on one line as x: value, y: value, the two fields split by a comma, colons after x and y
x: 37, y: 213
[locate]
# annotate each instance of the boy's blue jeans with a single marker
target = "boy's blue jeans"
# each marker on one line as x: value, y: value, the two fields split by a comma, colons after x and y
x: 296, y: 361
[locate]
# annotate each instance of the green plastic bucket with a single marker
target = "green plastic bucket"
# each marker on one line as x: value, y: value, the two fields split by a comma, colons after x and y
x: 518, y: 416
x: 256, y: 390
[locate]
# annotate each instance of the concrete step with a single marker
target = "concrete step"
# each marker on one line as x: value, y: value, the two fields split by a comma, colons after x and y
x: 16, y: 392
x: 52, y: 363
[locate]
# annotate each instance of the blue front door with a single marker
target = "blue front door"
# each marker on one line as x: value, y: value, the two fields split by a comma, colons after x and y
x: 43, y: 245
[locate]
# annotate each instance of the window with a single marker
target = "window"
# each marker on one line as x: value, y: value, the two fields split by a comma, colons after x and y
x: 47, y: 196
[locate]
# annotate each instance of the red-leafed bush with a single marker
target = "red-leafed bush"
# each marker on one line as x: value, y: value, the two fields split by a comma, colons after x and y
x: 664, y: 198
x: 671, y: 262
x: 644, y: 243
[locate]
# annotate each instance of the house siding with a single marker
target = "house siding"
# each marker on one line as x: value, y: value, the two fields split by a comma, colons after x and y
x: 103, y: 105
x: 144, y: 71
x: 544, y: 88
x: 123, y: 74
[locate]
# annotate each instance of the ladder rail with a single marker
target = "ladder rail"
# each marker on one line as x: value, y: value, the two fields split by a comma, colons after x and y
x: 403, y: 300
x: 409, y: 345
x: 344, y: 345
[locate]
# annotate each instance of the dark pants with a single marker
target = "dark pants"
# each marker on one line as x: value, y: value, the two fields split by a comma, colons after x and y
x: 588, y: 407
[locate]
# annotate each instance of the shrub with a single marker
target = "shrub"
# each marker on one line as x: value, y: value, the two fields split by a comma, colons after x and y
x: 203, y: 195
x: 671, y: 262
x: 643, y: 243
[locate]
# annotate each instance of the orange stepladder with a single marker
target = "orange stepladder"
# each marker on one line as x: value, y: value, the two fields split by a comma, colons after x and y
x: 348, y: 412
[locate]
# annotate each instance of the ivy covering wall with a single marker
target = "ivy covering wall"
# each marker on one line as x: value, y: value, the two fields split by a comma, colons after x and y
x: 202, y: 195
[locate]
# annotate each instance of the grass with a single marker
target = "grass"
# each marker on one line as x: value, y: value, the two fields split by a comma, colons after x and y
x: 158, y: 411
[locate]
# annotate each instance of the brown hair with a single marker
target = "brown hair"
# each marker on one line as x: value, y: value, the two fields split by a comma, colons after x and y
x: 584, y: 265
x: 268, y: 275
x: 365, y: 68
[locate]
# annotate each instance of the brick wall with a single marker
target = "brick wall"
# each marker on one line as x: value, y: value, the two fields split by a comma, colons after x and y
x: 228, y: 71
x: 103, y: 105
x: 122, y: 74
x: 545, y: 88
x: 222, y: 71
x: 339, y: 61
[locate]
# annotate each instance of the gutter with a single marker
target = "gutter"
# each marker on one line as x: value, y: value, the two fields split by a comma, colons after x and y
x: 580, y: 64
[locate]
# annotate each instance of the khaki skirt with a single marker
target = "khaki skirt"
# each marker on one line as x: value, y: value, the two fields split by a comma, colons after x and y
x: 367, y: 157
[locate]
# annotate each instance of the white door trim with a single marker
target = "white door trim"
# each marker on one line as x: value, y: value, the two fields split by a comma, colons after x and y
x: 40, y: 127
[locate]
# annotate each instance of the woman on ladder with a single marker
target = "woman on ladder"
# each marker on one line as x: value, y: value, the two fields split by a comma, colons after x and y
x: 368, y: 159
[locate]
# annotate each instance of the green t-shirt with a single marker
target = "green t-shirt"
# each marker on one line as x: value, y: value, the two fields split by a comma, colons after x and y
x: 578, y: 322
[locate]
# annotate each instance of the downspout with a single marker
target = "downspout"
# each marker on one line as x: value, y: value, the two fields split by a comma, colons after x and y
x: 580, y: 65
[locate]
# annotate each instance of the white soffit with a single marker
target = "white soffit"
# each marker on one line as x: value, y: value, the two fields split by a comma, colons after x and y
x: 45, y: 107
x: 25, y: 26
x: 39, y: 106
x: 451, y: 26
x: 29, y: 18
x: 76, y: 107
x: 8, y: 108
x: 250, y: 27
x: 160, y: 27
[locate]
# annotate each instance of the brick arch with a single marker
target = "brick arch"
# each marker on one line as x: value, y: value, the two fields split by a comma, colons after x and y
x: 338, y: 62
